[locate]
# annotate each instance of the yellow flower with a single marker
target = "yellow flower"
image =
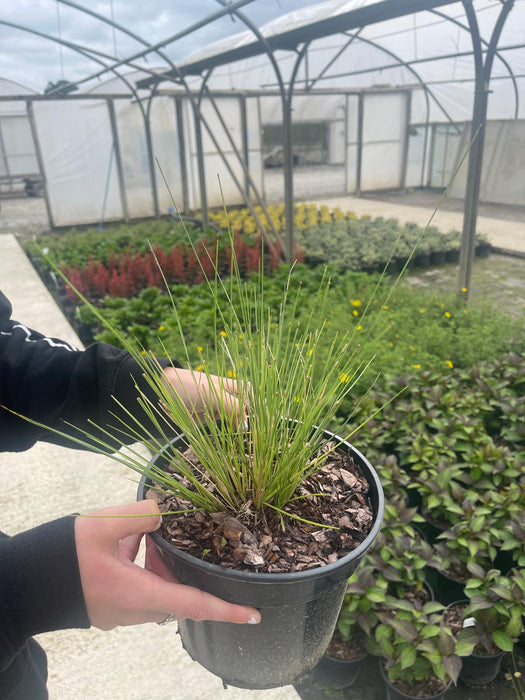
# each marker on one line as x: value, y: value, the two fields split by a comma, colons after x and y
x: 447, y: 314
x: 223, y: 334
x: 231, y: 374
x: 421, y: 311
x: 463, y: 289
x: 449, y: 364
x: 161, y: 328
x: 345, y: 378
x: 517, y: 674
x: 355, y: 302
x: 309, y: 352
x: 416, y: 366
x: 384, y: 307
x: 359, y: 328
x: 297, y: 399
x: 199, y: 348
x: 355, y: 312
x: 199, y: 368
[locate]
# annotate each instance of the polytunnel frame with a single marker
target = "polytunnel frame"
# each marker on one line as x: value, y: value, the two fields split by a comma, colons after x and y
x: 376, y: 12
x: 91, y: 54
x: 482, y: 74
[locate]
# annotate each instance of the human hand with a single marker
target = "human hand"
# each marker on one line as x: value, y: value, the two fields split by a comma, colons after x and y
x: 204, y: 393
x: 119, y: 592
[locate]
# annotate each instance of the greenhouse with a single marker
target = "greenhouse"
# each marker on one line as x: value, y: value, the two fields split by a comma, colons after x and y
x: 287, y: 239
x: 309, y: 88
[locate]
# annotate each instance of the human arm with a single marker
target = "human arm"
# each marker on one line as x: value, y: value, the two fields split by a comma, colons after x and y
x: 81, y: 571
x: 50, y: 381
x: 119, y: 592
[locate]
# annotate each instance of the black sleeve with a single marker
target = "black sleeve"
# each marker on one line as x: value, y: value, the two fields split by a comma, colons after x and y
x: 40, y: 587
x: 50, y: 381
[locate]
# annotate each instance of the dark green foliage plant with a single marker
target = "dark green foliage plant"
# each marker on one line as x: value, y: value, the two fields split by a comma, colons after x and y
x: 400, y: 553
x: 365, y: 594
x: 414, y: 643
x: 429, y: 340
x: 76, y: 248
x: 496, y: 608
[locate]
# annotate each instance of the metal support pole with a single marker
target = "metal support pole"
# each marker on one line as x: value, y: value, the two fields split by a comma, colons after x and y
x: 4, y: 155
x: 288, y: 176
x: 200, y: 165
x: 151, y: 164
x: 475, y: 160
x: 182, y: 153
x: 245, y: 148
x: 404, y: 165
x: 118, y: 160
x: 359, y: 164
x: 40, y: 160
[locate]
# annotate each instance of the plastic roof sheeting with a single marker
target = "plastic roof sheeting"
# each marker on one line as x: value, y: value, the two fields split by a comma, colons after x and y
x: 429, y: 50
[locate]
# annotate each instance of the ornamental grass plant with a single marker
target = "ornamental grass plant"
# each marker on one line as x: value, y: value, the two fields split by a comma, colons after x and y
x: 288, y: 389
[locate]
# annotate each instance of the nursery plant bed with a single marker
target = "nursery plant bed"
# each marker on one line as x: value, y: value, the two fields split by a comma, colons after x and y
x: 369, y: 685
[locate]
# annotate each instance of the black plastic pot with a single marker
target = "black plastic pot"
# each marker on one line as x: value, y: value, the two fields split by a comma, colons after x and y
x: 299, y: 610
x: 446, y: 589
x: 482, y: 249
x: 437, y: 257
x: 337, y: 673
x: 480, y: 669
x: 431, y: 529
x: 393, y: 693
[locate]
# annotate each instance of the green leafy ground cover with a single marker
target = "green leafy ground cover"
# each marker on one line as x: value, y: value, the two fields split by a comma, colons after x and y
x: 413, y: 331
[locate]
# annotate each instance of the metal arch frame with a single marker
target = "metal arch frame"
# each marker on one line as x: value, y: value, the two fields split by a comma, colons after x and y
x: 286, y: 101
x: 198, y: 120
x: 88, y: 54
x: 482, y: 75
x: 146, y: 114
x: 497, y: 53
x: 153, y: 47
x: 479, y: 117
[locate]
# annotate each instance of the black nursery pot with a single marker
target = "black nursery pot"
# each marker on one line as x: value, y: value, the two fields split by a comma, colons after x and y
x: 336, y: 674
x: 447, y: 590
x: 299, y: 610
x: 393, y: 693
x: 480, y: 669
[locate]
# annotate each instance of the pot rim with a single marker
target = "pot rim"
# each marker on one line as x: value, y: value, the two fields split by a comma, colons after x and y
x: 295, y: 576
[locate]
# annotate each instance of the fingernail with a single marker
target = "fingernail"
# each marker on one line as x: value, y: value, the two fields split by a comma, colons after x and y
x: 253, y: 620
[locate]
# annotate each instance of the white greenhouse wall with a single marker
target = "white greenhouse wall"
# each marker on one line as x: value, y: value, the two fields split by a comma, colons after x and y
x: 134, y: 157
x: 503, y: 169
x: 76, y: 145
x: 384, y: 135
x: 167, y: 152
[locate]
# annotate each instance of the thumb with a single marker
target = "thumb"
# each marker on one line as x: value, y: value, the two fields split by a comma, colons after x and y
x: 118, y: 522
